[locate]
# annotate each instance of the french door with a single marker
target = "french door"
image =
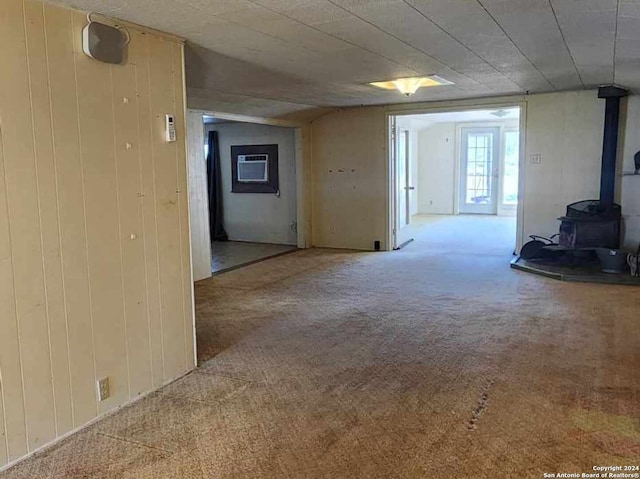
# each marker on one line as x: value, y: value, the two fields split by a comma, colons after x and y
x: 401, y: 185
x: 404, y: 189
x: 479, y: 170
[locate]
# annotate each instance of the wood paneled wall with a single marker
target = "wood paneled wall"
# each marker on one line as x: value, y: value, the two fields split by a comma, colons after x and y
x: 199, y: 196
x: 95, y: 273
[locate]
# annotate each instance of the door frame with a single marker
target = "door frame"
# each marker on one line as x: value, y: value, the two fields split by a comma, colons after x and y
x: 390, y: 116
x: 195, y: 157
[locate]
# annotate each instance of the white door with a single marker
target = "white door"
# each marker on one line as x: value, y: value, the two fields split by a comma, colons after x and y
x: 403, y: 188
x: 479, y: 170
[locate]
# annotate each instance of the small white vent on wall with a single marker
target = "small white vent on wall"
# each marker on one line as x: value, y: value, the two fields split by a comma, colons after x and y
x: 253, y: 168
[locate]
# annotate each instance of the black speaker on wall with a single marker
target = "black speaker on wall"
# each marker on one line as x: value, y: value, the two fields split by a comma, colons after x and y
x: 105, y: 43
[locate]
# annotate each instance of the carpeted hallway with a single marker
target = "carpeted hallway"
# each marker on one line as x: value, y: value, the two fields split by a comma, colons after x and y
x: 433, y: 361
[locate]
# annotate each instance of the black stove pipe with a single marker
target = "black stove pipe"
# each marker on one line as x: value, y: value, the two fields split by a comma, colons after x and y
x: 612, y: 96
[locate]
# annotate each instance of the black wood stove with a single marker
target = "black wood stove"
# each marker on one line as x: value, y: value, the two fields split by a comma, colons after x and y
x: 596, y: 223
x: 588, y: 225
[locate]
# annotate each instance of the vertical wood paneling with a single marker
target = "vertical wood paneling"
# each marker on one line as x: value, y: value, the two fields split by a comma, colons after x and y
x: 24, y: 219
x: 66, y: 136
x: 3, y: 435
x: 131, y: 227
x: 139, y: 52
x: 198, y: 197
x: 97, y: 142
x: 183, y: 203
x: 10, y: 364
x: 95, y: 274
x: 48, y: 205
x: 167, y: 211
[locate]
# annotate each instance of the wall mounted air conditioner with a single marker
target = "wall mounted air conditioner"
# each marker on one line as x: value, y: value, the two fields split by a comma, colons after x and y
x: 253, y: 168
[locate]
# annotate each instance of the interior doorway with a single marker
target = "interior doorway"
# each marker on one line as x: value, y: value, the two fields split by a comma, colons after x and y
x: 246, y: 190
x: 251, y: 179
x: 450, y: 163
x: 248, y: 180
x: 251, y: 183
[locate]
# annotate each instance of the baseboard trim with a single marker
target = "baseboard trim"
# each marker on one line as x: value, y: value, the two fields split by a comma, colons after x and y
x: 46, y: 447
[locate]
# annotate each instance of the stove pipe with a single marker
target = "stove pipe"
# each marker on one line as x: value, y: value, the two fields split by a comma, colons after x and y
x: 612, y: 95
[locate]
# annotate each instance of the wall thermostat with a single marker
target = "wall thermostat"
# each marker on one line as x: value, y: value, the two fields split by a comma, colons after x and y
x: 170, y: 128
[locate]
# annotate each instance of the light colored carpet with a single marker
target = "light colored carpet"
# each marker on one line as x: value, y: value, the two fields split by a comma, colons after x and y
x: 433, y: 361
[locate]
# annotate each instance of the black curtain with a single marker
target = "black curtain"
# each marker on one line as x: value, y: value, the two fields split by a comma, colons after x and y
x: 214, y: 175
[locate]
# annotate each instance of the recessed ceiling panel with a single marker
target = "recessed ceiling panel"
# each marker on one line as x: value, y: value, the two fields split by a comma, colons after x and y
x: 324, y: 52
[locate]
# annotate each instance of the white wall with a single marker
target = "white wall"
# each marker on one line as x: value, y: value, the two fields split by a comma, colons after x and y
x: 350, y: 194
x: 259, y: 217
x: 95, y: 273
x: 198, y: 197
x: 629, y: 191
x: 566, y: 130
x: 351, y: 210
x: 436, y: 169
x: 438, y: 152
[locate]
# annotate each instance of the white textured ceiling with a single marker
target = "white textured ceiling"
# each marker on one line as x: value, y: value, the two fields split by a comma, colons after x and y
x: 271, y: 57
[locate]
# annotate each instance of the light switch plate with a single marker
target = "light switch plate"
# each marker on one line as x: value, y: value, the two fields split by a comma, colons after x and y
x: 535, y: 158
x: 103, y: 389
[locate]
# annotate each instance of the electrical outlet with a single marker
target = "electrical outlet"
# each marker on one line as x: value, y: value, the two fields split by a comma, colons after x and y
x: 103, y: 389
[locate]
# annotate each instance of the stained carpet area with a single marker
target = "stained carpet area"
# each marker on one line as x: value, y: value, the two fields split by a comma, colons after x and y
x: 434, y: 361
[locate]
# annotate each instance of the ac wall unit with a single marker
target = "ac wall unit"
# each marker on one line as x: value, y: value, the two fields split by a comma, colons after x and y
x: 253, y: 168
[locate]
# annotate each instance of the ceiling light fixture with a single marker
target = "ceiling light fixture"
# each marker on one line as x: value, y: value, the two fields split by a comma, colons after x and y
x: 500, y: 113
x: 408, y: 86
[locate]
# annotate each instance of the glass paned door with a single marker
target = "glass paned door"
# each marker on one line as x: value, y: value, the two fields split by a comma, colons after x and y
x: 403, y: 179
x: 479, y: 170
x: 401, y: 174
x: 403, y: 188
